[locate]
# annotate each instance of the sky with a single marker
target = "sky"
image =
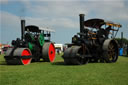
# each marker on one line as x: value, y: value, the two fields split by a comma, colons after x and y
x: 60, y: 15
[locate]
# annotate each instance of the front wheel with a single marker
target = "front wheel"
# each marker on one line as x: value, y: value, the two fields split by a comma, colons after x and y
x: 18, y: 56
x: 75, y: 55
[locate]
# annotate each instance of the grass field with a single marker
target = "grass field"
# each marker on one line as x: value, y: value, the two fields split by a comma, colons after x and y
x: 43, y: 73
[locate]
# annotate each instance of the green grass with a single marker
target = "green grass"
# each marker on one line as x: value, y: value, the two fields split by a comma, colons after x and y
x: 44, y: 73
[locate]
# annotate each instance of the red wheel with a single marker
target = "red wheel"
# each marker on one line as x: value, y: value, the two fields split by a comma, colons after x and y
x: 48, y: 52
x: 51, y: 52
x: 18, y: 56
x: 26, y: 52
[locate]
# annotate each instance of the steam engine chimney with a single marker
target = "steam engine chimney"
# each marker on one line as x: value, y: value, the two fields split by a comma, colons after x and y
x: 22, y: 29
x: 81, y: 22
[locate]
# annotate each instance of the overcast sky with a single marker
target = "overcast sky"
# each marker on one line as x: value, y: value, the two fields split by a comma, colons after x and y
x: 60, y: 15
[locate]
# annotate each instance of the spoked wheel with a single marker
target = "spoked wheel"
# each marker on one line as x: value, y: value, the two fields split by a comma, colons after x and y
x: 74, y: 56
x: 48, y: 52
x: 111, y: 51
x: 18, y: 56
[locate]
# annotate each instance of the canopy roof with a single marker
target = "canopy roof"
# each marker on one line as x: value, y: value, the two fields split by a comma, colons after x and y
x: 97, y: 23
x: 34, y: 28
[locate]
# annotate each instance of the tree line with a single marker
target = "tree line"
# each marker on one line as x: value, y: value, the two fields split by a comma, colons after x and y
x: 122, y: 41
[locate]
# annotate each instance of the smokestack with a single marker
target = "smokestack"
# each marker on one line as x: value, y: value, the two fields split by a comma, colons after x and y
x: 81, y: 22
x: 22, y: 29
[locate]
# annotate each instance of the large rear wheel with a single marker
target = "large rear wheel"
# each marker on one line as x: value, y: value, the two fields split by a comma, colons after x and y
x: 48, y: 52
x: 110, y: 48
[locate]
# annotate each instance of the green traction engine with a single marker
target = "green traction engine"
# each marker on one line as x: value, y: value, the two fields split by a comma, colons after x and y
x: 34, y: 45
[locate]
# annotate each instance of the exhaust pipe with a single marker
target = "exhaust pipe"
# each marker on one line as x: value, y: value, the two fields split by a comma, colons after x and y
x: 22, y: 29
x: 81, y: 22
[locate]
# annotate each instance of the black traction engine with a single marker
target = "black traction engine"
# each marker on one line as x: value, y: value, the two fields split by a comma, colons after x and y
x: 94, y: 43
